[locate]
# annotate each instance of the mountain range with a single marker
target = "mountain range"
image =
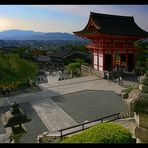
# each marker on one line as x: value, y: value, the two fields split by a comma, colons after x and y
x: 32, y: 35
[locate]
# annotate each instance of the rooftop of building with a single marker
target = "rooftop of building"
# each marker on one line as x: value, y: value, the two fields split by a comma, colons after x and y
x: 113, y: 25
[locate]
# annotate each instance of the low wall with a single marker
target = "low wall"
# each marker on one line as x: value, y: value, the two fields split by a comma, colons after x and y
x: 87, y: 71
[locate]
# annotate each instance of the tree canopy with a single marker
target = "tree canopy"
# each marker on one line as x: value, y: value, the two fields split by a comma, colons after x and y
x: 15, y: 71
x: 75, y: 66
x: 142, y: 56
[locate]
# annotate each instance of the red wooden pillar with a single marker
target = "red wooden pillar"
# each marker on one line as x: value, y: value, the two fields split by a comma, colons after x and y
x: 93, y: 58
x: 126, y: 58
x: 103, y: 60
x: 112, y: 56
x: 120, y: 55
x: 97, y: 60
x: 134, y: 60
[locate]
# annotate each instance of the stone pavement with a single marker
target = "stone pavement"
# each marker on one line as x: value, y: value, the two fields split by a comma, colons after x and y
x: 80, y: 84
x: 52, y: 115
x: 53, y: 81
x: 64, y: 87
x: 90, y: 104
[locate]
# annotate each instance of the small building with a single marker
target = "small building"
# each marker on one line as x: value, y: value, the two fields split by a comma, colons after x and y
x: 63, y: 54
x: 41, y: 78
x: 113, y: 40
x: 41, y: 59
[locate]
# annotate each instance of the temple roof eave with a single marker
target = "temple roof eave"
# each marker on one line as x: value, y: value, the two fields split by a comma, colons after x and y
x: 118, y: 26
x: 99, y: 34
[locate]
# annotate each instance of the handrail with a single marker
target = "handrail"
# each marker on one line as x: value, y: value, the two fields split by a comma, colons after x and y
x: 82, y: 125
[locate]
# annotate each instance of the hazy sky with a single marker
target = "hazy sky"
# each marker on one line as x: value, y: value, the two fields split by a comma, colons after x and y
x: 63, y: 18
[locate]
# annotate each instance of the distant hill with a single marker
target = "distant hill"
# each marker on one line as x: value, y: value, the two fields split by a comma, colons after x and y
x: 32, y: 35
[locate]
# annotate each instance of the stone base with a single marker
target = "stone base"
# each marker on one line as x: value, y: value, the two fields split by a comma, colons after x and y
x: 144, y: 80
x: 124, y: 95
x: 85, y: 71
x: 48, y: 138
x: 143, y: 88
x: 142, y: 134
x: 143, y: 120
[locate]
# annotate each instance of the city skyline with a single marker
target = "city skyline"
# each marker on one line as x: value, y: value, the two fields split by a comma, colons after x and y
x: 63, y: 18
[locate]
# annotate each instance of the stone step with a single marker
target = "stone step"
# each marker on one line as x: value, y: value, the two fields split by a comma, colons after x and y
x: 68, y: 82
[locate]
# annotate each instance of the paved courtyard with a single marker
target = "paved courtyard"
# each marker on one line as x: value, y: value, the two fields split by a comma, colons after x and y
x: 90, y: 104
x: 66, y: 103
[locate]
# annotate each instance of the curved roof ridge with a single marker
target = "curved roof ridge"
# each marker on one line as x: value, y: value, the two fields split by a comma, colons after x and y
x: 112, y: 24
x: 111, y: 15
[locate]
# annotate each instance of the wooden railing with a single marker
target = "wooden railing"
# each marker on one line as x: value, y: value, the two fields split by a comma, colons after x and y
x: 82, y: 126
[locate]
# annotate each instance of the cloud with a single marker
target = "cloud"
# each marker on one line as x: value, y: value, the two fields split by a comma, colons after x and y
x: 15, y: 23
x: 84, y: 10
x: 65, y: 18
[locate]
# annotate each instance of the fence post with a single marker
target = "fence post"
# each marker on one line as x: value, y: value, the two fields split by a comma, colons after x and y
x: 61, y: 133
x: 119, y: 116
x: 101, y: 120
x: 82, y: 126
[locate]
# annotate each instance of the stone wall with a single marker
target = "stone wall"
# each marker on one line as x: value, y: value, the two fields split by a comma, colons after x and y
x: 47, y: 137
x: 87, y: 71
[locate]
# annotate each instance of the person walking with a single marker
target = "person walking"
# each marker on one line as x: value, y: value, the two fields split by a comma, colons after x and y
x: 120, y: 81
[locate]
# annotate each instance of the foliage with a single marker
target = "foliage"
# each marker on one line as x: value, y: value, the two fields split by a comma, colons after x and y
x: 15, y: 71
x: 142, y: 56
x: 19, y: 51
x: 78, y: 47
x: 22, y: 52
x: 74, y: 67
x: 117, y: 56
x: 102, y: 133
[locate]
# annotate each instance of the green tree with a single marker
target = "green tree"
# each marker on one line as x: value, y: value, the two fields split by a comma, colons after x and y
x: 75, y: 67
x: 142, y: 56
x: 23, y: 53
x: 15, y: 71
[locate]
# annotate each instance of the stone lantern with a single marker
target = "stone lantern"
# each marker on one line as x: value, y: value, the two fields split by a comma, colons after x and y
x: 138, y: 101
x: 13, y: 121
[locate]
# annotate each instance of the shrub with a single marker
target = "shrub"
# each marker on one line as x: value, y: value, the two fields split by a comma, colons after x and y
x: 102, y: 133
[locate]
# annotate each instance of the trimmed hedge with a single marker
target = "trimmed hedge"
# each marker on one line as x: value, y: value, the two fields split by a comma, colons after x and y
x: 102, y: 133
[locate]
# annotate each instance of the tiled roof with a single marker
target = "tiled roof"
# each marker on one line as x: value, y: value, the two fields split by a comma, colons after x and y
x: 41, y: 58
x: 64, y: 53
x: 112, y: 24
